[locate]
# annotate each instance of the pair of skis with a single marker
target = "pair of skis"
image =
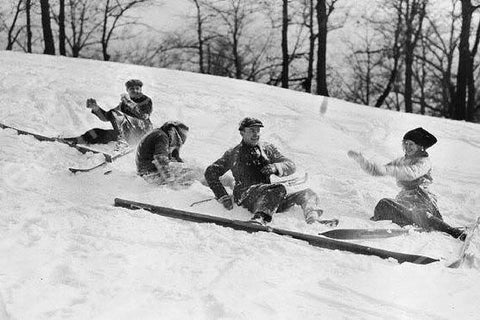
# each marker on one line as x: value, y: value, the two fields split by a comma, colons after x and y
x: 80, y: 147
x: 322, y: 241
x: 317, y: 241
x: 103, y: 163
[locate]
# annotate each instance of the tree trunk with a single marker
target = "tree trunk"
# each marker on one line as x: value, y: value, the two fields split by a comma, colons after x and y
x: 61, y: 28
x: 200, y: 37
x: 47, y: 29
x: 236, y: 58
x: 28, y: 6
x: 409, y: 47
x: 322, y: 49
x: 285, y: 58
x: 11, y: 38
x: 396, y: 58
x: 106, y: 56
x: 464, y: 62
x: 471, y: 78
x: 311, y: 49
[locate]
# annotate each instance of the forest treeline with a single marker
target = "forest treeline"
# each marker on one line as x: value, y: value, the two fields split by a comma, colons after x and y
x: 414, y: 56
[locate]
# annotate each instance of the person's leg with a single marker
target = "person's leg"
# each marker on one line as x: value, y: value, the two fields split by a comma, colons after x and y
x: 94, y: 136
x: 388, y: 209
x: 263, y: 200
x: 307, y: 199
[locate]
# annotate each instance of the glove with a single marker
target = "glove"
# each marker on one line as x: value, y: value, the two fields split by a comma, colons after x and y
x: 92, y: 104
x: 354, y: 155
x: 269, y: 169
x: 226, y: 201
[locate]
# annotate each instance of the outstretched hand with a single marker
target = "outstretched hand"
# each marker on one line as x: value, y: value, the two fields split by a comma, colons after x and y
x: 354, y: 155
x: 357, y: 156
x: 92, y: 104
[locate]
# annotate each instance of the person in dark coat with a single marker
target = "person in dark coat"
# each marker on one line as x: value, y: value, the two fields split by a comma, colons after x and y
x: 158, y: 153
x: 415, y: 204
x: 252, y: 162
x: 130, y: 119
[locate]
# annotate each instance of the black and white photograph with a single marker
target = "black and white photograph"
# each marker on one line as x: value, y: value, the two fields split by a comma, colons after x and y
x: 239, y: 159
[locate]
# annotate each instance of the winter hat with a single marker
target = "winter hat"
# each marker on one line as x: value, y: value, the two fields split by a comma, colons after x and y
x: 179, y: 127
x: 421, y: 137
x: 133, y: 82
x: 249, y: 122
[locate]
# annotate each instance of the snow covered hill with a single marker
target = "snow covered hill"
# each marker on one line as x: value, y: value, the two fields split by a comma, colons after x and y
x: 67, y: 253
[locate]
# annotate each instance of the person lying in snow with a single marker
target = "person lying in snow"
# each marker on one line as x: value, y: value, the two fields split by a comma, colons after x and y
x: 252, y: 162
x: 158, y: 153
x: 130, y: 119
x: 415, y: 204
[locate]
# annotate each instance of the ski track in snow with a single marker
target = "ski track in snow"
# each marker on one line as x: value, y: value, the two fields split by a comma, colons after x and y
x: 67, y: 253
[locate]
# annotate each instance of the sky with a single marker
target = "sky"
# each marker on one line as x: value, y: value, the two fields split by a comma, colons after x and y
x: 68, y: 253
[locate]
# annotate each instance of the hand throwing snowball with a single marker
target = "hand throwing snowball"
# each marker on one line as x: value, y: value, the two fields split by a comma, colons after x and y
x: 415, y: 204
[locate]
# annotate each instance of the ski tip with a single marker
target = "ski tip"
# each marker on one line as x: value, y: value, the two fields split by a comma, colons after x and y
x: 329, y: 223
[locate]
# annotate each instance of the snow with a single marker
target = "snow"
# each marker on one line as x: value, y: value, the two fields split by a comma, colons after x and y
x: 68, y: 253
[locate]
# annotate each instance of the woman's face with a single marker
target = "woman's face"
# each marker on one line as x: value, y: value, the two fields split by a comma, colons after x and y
x: 411, y: 147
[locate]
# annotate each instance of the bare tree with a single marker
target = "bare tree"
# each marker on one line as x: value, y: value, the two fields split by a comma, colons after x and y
x: 308, y: 21
x: 324, y: 9
x: 395, y: 54
x: 47, y: 29
x: 233, y: 18
x: 13, y: 31
x: 414, y: 13
x: 114, y: 11
x: 465, y: 64
x: 84, y: 25
x: 28, y: 7
x: 61, y: 28
x: 200, y: 19
x: 438, y: 58
x: 285, y: 57
x: 322, y: 48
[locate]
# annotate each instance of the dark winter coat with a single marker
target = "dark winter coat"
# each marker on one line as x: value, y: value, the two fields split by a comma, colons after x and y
x: 245, y: 162
x: 131, y: 120
x: 157, y: 145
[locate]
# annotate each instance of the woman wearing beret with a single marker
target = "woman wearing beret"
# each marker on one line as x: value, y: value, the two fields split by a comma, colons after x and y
x: 415, y: 204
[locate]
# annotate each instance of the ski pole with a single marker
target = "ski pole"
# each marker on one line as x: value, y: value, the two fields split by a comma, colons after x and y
x: 202, y: 201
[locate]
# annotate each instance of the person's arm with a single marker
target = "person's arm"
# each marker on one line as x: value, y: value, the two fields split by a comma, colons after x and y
x: 215, y: 171
x: 160, y: 154
x: 96, y: 110
x: 279, y: 164
x: 397, y: 168
x: 176, y: 155
x: 409, y: 172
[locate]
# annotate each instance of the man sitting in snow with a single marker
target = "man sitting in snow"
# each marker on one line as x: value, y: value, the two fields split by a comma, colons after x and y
x: 252, y: 162
x: 130, y: 119
x: 158, y: 154
x: 415, y: 204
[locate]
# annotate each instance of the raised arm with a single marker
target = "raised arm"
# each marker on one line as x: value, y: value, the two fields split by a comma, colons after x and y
x: 398, y: 168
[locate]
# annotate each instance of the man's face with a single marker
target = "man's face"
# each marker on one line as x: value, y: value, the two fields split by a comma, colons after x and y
x: 134, y: 91
x: 251, y: 135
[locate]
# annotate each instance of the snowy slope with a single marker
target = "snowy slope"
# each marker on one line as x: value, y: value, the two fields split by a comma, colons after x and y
x: 67, y: 253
